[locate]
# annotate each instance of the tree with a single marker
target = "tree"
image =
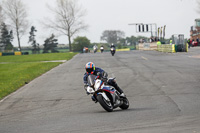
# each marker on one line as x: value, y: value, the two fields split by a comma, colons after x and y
x: 68, y: 18
x: 17, y: 15
x: 132, y: 40
x: 6, y: 38
x: 198, y: 5
x: 1, y: 15
x: 35, y: 45
x: 50, y: 44
x: 135, y: 40
x: 9, y: 47
x: 79, y: 43
x: 112, y: 36
x: 1, y: 21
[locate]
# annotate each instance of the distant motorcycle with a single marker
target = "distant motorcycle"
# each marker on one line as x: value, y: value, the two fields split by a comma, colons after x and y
x: 95, y: 50
x: 102, y: 49
x: 108, y: 97
x: 112, y: 50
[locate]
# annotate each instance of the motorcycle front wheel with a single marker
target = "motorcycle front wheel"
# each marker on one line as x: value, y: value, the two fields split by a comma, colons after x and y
x: 104, y: 103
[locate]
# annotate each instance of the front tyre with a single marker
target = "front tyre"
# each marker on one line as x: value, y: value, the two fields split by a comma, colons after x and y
x: 104, y: 103
x: 125, y: 104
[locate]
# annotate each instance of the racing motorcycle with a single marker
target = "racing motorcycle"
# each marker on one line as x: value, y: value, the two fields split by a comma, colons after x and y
x: 107, y: 96
x: 102, y: 49
x: 112, y: 50
x: 95, y: 49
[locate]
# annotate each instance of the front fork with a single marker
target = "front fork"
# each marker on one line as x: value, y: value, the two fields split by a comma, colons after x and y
x: 104, y: 96
x: 94, y: 96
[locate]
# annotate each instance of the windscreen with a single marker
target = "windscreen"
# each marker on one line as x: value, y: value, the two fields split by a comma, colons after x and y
x: 91, y: 79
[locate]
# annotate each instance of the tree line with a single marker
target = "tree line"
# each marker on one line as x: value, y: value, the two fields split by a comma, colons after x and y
x: 68, y: 21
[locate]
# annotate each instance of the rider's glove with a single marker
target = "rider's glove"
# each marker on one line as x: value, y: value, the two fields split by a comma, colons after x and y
x: 104, y: 79
x: 87, y: 93
x: 85, y: 86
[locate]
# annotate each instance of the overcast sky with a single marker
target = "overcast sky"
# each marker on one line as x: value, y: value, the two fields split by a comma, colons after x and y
x: 177, y: 15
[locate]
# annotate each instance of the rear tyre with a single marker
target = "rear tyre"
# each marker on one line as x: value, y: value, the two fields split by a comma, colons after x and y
x: 125, y: 104
x: 107, y: 105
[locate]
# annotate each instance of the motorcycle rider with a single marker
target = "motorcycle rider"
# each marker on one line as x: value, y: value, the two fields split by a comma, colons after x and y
x: 101, y: 48
x: 91, y: 69
x: 112, y: 49
x: 95, y: 48
x: 112, y: 46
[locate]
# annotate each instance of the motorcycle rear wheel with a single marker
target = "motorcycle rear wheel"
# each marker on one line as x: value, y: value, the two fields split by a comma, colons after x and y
x: 125, y: 104
x: 104, y: 103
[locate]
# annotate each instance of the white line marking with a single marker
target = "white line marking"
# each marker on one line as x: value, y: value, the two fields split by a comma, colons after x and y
x: 144, y: 58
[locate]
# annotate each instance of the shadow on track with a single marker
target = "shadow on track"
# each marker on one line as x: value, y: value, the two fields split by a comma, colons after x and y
x: 128, y: 110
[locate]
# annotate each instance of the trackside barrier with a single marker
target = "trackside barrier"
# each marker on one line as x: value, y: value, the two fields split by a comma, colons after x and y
x: 9, y: 53
x: 147, y: 46
x: 18, y: 53
x: 25, y: 53
x: 125, y: 49
x: 14, y: 53
x: 166, y: 48
x: 100, y: 51
x: 137, y: 47
x: 186, y: 47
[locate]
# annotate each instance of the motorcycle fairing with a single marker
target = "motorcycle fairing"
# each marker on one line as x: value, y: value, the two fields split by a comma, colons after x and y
x: 99, y: 84
x: 108, y: 89
x: 104, y: 95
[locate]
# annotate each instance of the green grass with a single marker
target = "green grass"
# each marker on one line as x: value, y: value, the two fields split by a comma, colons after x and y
x: 64, y: 50
x: 21, y: 69
x: 37, y: 57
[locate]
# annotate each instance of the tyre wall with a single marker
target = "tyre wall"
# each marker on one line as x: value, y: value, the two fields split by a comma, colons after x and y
x: 166, y: 48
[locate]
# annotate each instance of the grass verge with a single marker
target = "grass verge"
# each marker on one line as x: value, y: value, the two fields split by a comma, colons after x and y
x: 37, y: 57
x: 22, y: 69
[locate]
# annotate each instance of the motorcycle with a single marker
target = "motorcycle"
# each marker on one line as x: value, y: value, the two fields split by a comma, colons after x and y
x: 107, y: 96
x: 102, y: 49
x: 95, y: 50
x: 112, y: 50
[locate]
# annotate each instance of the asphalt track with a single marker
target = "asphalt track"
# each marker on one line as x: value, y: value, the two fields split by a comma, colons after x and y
x: 163, y: 90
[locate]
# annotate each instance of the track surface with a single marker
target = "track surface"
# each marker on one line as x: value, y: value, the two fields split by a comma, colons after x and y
x: 163, y: 90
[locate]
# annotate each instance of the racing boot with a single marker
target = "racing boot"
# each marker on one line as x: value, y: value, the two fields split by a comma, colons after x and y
x: 122, y: 95
x: 113, y: 83
x: 119, y: 90
x: 94, y: 99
